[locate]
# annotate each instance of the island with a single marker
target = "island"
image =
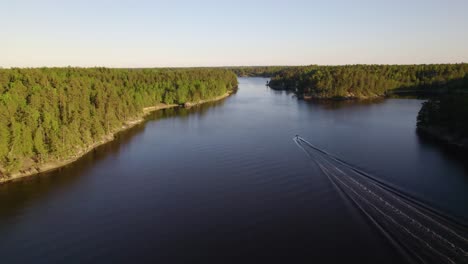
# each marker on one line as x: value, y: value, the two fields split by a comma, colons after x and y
x: 370, y: 81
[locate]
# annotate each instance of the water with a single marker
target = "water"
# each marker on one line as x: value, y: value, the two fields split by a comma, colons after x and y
x: 226, y: 182
x: 424, y: 235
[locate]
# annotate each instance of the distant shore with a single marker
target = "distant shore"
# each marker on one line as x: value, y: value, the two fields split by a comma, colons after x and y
x: 49, y: 166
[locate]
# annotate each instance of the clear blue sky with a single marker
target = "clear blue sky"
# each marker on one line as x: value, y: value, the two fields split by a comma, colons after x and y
x: 215, y: 33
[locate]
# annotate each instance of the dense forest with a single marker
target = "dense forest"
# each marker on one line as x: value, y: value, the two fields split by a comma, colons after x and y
x: 259, y: 71
x: 445, y: 118
x: 368, y: 81
x: 48, y: 114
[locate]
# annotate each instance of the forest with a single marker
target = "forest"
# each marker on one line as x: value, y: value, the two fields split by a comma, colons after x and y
x: 50, y: 114
x: 369, y: 81
x: 259, y: 71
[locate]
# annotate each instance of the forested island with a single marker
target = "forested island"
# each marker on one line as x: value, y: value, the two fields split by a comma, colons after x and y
x: 51, y: 115
x: 370, y: 81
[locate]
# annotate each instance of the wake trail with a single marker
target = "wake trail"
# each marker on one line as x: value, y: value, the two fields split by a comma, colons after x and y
x: 423, y: 233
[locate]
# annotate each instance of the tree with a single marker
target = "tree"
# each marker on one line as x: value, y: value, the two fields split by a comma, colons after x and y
x: 39, y: 144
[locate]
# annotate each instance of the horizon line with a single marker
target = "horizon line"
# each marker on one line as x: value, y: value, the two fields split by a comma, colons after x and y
x: 231, y: 66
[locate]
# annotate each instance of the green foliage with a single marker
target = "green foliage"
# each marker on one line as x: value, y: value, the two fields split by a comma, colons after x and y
x: 4, y: 141
x: 259, y: 71
x: 51, y: 113
x: 39, y: 142
x: 361, y: 81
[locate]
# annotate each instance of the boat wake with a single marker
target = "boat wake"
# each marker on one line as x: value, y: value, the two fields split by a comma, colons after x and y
x: 420, y: 232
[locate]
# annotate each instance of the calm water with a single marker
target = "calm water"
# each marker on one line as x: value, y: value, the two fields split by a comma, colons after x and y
x: 226, y: 182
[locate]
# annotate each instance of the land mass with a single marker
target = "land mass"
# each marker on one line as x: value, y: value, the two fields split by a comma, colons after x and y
x: 371, y: 81
x: 50, y: 117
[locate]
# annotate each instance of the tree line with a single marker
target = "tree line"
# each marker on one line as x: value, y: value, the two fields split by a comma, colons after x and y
x: 366, y: 81
x: 258, y: 71
x: 52, y: 113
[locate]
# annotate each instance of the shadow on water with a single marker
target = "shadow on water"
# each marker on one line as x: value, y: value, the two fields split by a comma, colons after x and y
x: 333, y: 104
x: 339, y: 104
x: 17, y: 194
x: 450, y: 153
x: 184, y: 113
x: 281, y: 92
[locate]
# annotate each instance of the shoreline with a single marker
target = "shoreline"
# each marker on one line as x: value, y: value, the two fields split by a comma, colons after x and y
x: 351, y: 97
x: 53, y: 165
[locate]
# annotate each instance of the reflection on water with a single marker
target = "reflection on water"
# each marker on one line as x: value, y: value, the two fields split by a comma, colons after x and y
x: 182, y: 112
x: 224, y: 179
x: 450, y: 153
x: 28, y: 190
x: 338, y: 104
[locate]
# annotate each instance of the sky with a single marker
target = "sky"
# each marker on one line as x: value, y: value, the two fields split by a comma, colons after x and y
x: 140, y: 33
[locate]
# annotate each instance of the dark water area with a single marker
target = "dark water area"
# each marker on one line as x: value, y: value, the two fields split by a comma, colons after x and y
x: 225, y: 182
